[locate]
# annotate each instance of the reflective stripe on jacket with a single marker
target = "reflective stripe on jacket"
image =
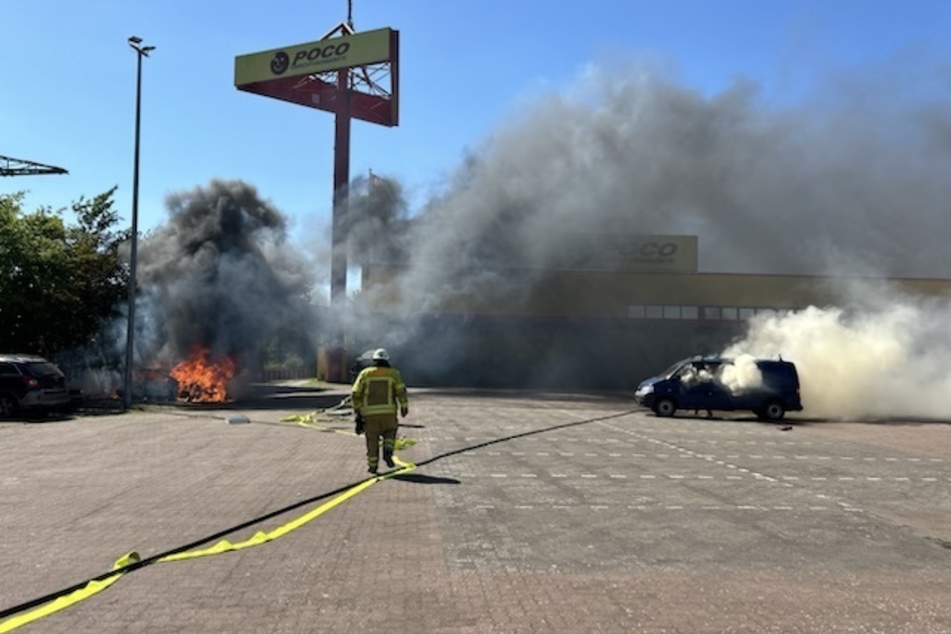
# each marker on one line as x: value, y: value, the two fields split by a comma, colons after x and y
x: 379, y: 390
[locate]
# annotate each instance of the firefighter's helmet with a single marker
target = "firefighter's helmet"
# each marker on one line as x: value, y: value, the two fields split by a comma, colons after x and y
x: 381, y: 355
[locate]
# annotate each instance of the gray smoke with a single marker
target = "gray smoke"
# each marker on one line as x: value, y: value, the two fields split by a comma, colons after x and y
x: 221, y: 273
x: 854, y: 175
x: 377, y: 220
x: 849, y: 179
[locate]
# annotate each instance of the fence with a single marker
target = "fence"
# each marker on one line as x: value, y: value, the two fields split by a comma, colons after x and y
x: 288, y: 373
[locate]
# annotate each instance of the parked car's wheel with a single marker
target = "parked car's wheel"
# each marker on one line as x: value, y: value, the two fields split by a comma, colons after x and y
x: 665, y: 407
x: 774, y: 410
x: 8, y: 406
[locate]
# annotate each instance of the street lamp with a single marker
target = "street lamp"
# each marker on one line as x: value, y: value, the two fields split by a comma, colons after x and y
x: 141, y: 51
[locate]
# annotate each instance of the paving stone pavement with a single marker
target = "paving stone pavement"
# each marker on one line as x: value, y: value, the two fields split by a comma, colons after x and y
x: 527, y: 512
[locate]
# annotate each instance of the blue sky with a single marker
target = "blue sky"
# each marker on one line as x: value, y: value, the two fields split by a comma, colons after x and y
x: 69, y: 82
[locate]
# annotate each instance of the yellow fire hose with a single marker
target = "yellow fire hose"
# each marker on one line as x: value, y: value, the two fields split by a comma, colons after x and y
x: 132, y: 561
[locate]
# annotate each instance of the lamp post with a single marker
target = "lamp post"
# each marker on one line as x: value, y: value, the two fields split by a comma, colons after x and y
x: 141, y: 51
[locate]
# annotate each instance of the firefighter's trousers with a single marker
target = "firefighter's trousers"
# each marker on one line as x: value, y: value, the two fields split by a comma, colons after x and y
x: 377, y: 427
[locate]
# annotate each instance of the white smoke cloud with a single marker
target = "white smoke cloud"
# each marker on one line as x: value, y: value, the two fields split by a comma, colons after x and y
x: 692, y: 375
x: 886, y: 355
x: 742, y: 374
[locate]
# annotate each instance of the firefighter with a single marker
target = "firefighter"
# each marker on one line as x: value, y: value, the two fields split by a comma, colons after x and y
x: 378, y: 392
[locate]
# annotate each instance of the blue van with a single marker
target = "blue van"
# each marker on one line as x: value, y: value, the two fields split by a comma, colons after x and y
x: 768, y: 388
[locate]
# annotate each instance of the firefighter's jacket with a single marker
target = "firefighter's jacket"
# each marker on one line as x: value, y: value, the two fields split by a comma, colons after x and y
x: 379, y: 390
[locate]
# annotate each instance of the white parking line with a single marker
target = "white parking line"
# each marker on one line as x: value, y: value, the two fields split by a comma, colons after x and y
x: 706, y: 477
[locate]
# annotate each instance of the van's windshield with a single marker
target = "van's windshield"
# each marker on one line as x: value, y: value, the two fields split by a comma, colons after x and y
x: 669, y: 372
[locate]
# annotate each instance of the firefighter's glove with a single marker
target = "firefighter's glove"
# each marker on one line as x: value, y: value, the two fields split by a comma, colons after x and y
x: 404, y: 411
x: 358, y: 429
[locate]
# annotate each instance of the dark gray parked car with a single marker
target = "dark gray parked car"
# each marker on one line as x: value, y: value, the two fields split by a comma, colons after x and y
x: 29, y: 382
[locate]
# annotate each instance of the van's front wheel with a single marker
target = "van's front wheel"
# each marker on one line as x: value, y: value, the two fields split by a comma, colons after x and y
x: 665, y: 407
x: 774, y: 410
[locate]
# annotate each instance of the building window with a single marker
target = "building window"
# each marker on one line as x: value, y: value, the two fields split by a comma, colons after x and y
x: 713, y: 313
x: 636, y: 312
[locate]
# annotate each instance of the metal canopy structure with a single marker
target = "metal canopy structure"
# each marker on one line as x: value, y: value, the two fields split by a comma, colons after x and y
x: 18, y: 167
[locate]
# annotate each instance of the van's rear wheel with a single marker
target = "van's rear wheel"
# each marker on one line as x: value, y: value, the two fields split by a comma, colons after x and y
x: 774, y: 410
x: 665, y: 407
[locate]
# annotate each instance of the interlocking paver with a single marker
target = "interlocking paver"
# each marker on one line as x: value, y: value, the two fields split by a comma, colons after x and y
x: 528, y: 513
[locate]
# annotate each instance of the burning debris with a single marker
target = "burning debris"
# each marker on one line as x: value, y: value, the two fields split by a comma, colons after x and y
x: 219, y: 284
x: 201, y: 379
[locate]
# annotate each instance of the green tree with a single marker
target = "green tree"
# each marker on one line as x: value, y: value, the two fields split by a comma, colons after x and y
x: 58, y: 283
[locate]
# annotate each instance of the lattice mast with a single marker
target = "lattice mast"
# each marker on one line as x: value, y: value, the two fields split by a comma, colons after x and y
x: 19, y: 167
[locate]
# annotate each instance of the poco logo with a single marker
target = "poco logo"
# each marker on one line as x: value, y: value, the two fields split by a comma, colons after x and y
x: 648, y: 249
x: 653, y: 249
x: 321, y: 53
x: 280, y: 63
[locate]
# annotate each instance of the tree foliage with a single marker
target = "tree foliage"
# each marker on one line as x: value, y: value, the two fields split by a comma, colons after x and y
x: 58, y: 282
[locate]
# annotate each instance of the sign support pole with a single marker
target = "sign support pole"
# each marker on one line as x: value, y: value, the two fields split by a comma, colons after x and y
x: 341, y: 202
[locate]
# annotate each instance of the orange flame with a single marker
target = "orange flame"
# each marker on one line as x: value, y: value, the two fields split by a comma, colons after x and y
x: 201, y: 380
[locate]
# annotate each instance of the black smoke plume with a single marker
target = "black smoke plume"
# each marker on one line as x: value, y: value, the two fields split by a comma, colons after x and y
x: 221, y: 273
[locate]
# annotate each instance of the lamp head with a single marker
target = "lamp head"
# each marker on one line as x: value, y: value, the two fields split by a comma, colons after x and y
x: 136, y: 43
